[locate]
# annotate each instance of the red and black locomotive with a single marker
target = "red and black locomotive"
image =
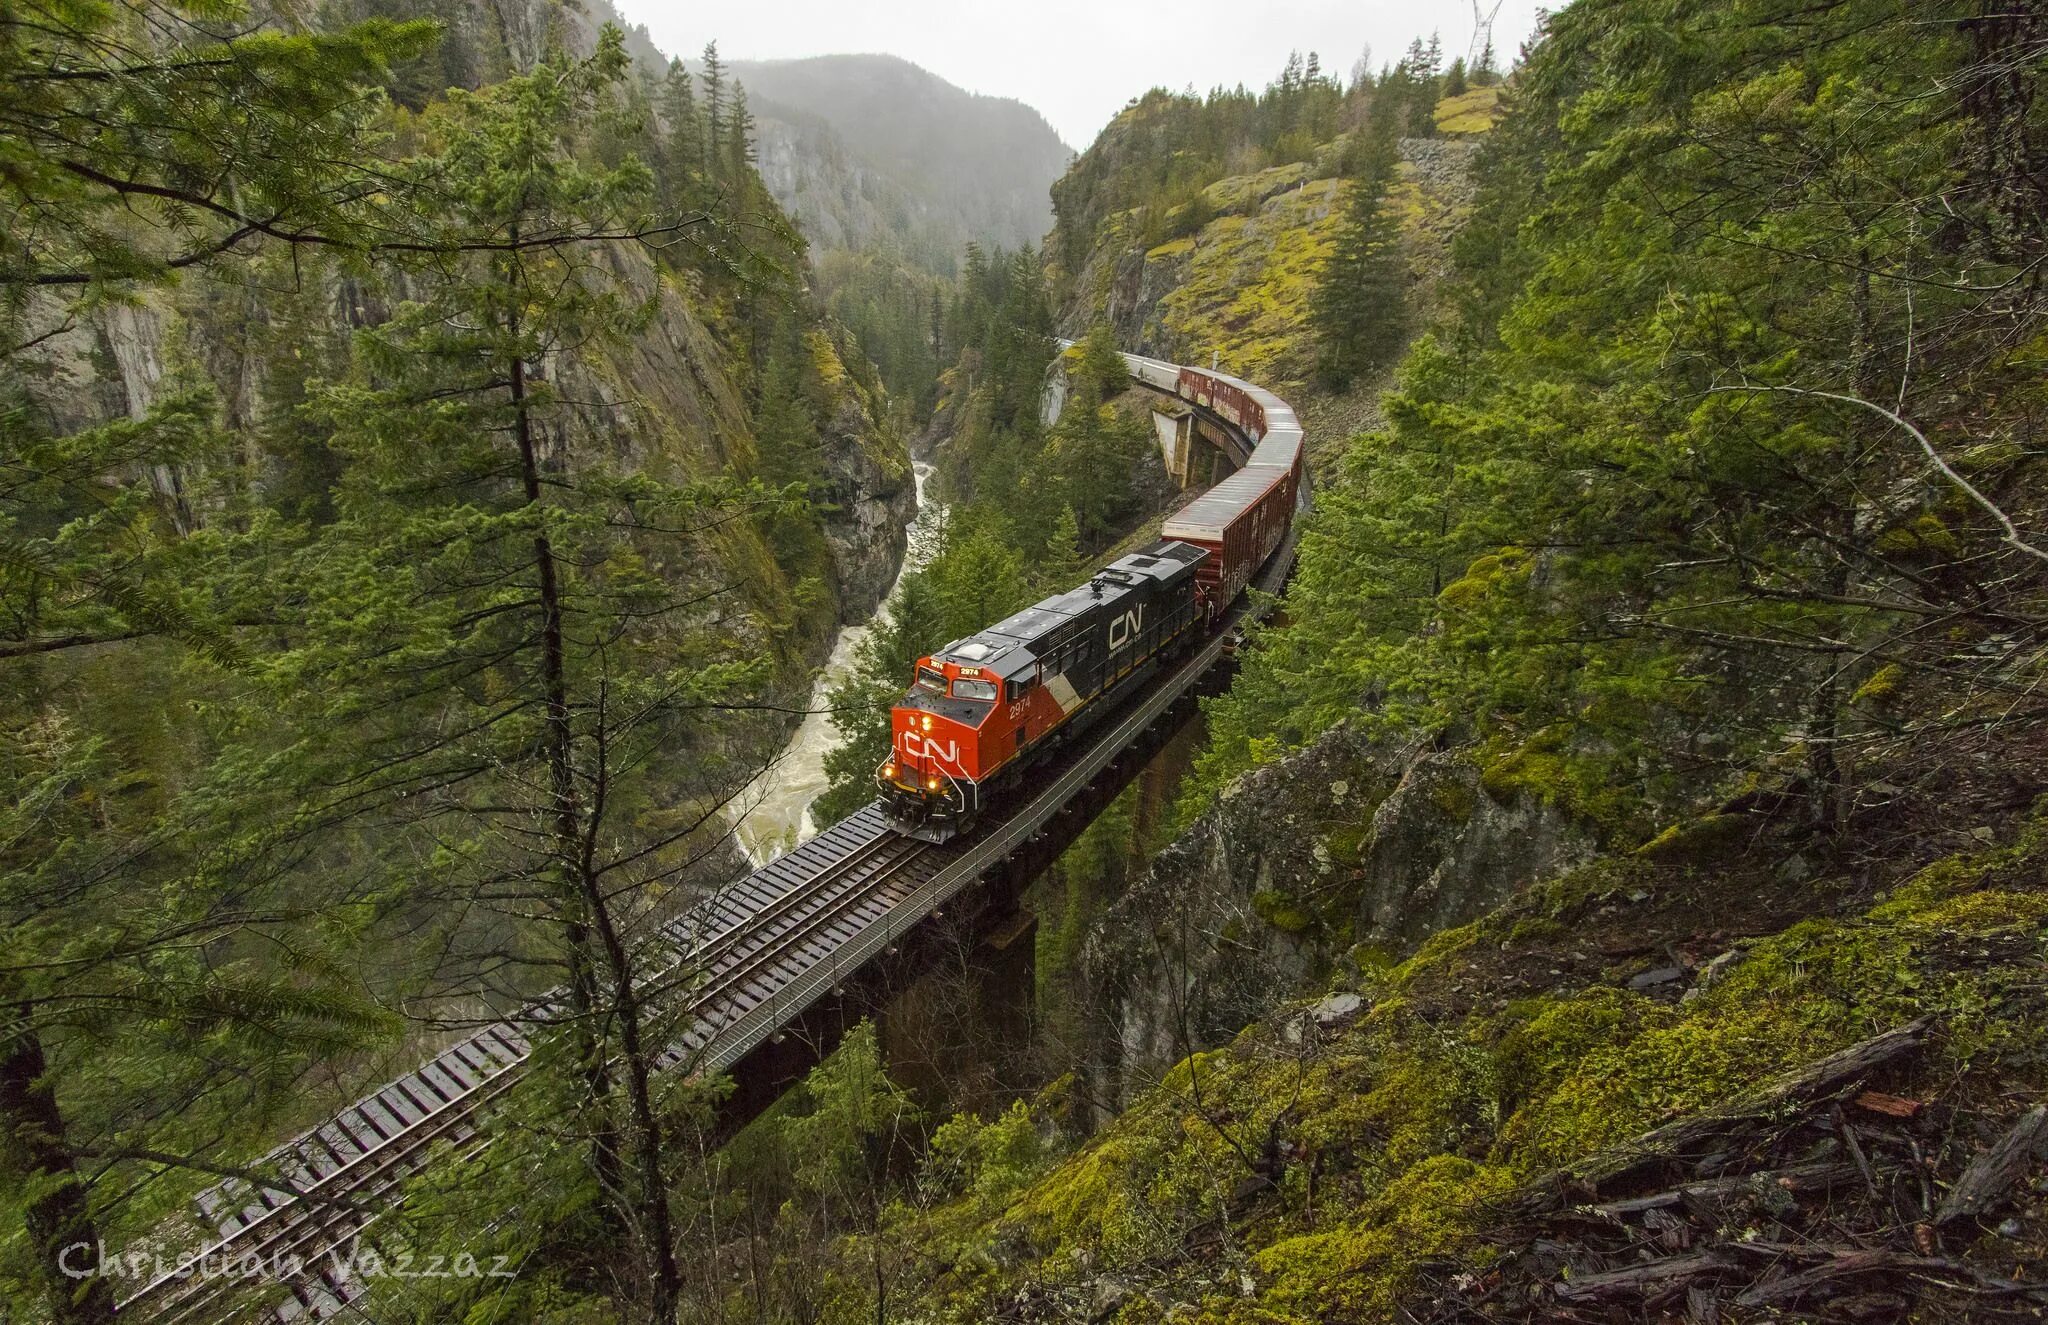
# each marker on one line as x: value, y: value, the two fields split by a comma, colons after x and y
x: 984, y: 710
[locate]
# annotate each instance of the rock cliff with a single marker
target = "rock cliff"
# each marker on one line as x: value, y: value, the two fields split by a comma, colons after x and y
x: 1344, y: 852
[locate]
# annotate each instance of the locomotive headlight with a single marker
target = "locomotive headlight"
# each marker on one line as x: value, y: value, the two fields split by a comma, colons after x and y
x: 927, y: 722
x: 931, y: 784
x: 888, y: 770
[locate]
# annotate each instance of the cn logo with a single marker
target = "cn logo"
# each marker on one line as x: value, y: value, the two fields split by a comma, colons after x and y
x: 1125, y: 626
x: 924, y: 747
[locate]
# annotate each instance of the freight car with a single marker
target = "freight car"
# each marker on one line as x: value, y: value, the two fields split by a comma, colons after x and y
x: 983, y: 711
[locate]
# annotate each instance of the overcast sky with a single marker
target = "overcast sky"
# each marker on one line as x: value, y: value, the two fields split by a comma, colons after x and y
x: 1078, y: 61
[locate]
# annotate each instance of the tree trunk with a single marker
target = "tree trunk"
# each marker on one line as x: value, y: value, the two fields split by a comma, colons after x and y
x: 562, y: 793
x: 652, y: 1206
x: 33, y: 1153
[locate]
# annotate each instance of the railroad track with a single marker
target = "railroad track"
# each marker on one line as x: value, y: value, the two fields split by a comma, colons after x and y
x: 722, y: 960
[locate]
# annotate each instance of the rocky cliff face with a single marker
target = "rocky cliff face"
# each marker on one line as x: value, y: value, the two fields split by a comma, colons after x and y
x: 1344, y: 852
x: 666, y: 401
x: 1240, y: 287
x: 870, y: 493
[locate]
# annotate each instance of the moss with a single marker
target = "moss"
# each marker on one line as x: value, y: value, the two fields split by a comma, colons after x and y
x: 1346, y: 842
x: 1571, y: 895
x: 1704, y: 839
x: 1536, y: 929
x: 1251, y: 278
x: 1485, y: 577
x: 1881, y: 686
x: 1453, y: 797
x: 1581, y: 783
x: 1357, y: 1270
x: 1243, y: 193
x: 1472, y: 112
x: 1536, y: 772
x: 1814, y: 988
x: 1416, y: 1121
x: 1172, y: 248
x: 1437, y: 952
x: 1921, y: 535
x: 1281, y: 912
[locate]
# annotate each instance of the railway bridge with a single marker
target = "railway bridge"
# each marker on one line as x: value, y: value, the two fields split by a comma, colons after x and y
x: 783, y: 962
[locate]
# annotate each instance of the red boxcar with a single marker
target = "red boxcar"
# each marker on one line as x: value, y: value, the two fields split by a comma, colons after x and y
x: 1243, y: 519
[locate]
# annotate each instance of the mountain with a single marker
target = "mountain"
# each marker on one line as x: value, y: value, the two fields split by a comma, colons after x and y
x: 871, y: 150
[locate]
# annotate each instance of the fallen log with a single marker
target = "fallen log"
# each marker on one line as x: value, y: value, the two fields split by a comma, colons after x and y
x: 1797, y: 1178
x: 1985, y: 1182
x: 1806, y: 1086
x: 1793, y: 1286
x: 1638, y: 1280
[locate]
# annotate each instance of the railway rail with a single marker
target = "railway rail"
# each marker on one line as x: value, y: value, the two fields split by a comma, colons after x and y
x: 746, y: 961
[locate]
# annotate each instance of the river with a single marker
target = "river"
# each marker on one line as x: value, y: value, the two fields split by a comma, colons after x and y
x: 778, y: 802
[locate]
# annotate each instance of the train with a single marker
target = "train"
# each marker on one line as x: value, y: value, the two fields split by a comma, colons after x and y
x: 983, y: 711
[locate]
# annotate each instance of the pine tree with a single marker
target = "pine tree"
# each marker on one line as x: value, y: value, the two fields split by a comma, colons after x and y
x: 1484, y: 72
x: 713, y: 78
x: 1428, y: 63
x: 1061, y: 565
x: 739, y: 146
x: 912, y: 625
x: 683, y: 152
x: 1359, y: 312
x: 207, y: 140
x: 536, y: 590
x: 1099, y: 368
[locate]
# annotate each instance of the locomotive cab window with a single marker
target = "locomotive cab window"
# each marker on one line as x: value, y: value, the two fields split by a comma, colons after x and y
x: 928, y: 679
x: 966, y: 689
x: 1021, y: 687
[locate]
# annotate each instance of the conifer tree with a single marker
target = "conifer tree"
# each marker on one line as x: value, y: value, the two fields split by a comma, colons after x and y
x: 713, y: 78
x: 1099, y: 368
x: 143, y: 909
x: 739, y: 146
x: 1360, y: 313
x: 683, y: 152
x: 547, y: 676
x: 1061, y: 564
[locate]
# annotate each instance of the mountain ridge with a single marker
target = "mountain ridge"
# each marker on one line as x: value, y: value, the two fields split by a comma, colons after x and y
x: 873, y: 150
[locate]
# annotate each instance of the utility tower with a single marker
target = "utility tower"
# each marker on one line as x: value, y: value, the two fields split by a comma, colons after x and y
x: 1482, y: 31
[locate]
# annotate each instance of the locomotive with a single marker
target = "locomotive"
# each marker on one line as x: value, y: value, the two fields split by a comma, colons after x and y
x: 983, y: 711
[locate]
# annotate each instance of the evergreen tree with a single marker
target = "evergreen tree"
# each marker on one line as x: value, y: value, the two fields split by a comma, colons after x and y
x: 547, y: 685
x: 912, y: 625
x: 1099, y: 370
x: 713, y: 78
x: 1654, y: 503
x: 1360, y: 312
x: 739, y: 147
x: 160, y: 975
x: 682, y: 151
x: 1484, y: 73
x: 1425, y: 66
x: 1061, y: 565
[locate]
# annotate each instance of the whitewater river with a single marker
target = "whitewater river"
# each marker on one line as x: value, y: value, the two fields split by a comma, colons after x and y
x: 778, y: 814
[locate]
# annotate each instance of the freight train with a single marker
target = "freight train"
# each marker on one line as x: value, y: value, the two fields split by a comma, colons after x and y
x: 983, y: 711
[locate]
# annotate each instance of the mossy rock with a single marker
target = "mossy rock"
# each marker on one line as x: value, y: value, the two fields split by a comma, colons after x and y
x: 1282, y: 912
x: 1712, y: 838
